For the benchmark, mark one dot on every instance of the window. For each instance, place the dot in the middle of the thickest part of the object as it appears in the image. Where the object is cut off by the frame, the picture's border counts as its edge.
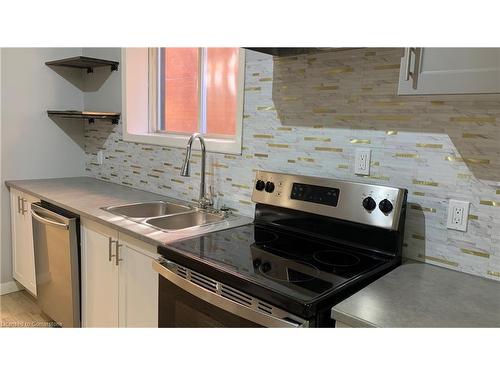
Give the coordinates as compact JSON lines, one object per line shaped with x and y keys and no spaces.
{"x":188,"y":90}
{"x":179,"y":102}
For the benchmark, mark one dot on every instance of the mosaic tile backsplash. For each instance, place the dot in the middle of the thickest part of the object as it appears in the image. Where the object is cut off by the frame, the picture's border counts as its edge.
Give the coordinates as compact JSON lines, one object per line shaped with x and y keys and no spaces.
{"x":307,"y":115}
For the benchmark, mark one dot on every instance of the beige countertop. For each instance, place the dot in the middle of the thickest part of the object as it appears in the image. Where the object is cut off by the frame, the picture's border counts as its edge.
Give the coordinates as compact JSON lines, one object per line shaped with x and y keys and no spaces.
{"x":423,"y":295}
{"x":87,"y":196}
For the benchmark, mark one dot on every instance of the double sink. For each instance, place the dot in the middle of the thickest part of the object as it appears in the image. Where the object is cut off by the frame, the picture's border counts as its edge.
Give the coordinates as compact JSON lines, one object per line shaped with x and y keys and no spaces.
{"x":167,"y":216}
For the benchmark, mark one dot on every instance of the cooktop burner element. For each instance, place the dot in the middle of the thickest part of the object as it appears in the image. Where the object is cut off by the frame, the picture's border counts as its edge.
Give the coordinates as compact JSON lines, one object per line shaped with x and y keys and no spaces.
{"x":312,"y":243}
{"x":265,"y":236}
{"x":292,"y":274}
{"x":336,"y":258}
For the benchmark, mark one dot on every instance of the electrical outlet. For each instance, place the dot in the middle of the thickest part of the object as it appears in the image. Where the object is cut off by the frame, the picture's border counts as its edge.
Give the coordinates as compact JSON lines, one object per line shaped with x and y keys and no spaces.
{"x":99,"y":157}
{"x":362,"y":161}
{"x":458,"y":214}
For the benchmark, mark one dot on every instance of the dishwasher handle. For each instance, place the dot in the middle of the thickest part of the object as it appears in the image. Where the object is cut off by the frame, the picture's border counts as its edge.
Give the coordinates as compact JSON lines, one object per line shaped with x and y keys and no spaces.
{"x":52,"y":219}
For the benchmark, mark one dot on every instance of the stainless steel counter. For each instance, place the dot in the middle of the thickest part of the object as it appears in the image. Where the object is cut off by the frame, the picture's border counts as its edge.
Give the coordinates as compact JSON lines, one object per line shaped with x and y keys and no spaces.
{"x":422,"y":295}
{"x":86,"y":196}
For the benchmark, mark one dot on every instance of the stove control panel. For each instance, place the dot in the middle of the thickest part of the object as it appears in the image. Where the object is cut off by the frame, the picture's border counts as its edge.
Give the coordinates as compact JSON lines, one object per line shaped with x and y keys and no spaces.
{"x":315,"y":194}
{"x":375,"y":205}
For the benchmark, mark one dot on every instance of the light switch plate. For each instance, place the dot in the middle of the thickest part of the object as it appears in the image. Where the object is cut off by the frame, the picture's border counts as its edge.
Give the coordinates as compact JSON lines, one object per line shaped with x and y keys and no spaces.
{"x":458,"y":215}
{"x":362,"y":159}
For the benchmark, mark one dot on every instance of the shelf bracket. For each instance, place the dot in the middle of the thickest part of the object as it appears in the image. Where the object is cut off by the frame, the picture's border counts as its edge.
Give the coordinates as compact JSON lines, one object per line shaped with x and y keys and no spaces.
{"x":91,"y":120}
{"x":90,"y":70}
{"x":114,"y":67}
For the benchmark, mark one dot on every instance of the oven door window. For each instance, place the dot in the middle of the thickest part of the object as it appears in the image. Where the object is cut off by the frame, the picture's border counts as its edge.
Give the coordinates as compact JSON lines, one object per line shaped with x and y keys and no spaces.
{"x":178,"y":308}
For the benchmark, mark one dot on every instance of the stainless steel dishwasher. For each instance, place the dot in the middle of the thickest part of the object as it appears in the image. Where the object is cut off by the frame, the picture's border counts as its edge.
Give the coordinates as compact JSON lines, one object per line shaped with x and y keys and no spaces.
{"x":57,"y":263}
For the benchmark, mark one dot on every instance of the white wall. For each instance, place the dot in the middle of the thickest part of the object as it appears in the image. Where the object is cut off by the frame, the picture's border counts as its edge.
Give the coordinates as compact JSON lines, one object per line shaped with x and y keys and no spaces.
{"x":32,"y":145}
{"x":106,"y":98}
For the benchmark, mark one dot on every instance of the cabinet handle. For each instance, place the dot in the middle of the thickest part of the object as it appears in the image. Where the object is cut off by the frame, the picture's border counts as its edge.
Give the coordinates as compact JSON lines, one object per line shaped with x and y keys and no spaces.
{"x":408,"y":63}
{"x":18,"y":204}
{"x":110,"y":249}
{"x":118,"y":259}
{"x":416,"y":66}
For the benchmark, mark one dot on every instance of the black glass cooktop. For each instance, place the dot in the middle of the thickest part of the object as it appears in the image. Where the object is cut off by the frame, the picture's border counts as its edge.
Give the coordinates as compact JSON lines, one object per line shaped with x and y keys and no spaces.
{"x":286,"y":263}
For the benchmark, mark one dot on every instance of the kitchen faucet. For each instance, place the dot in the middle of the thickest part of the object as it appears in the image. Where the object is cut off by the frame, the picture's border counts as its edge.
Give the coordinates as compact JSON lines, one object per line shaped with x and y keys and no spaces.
{"x":204,"y":200}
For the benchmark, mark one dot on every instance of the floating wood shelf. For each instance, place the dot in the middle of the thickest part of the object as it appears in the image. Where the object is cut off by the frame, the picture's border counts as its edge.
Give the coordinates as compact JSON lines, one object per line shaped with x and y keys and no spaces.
{"x":82,"y":62}
{"x":90,"y":116}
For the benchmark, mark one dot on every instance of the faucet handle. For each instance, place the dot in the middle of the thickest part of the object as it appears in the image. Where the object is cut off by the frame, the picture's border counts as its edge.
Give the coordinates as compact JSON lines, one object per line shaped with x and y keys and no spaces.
{"x":225,"y":210}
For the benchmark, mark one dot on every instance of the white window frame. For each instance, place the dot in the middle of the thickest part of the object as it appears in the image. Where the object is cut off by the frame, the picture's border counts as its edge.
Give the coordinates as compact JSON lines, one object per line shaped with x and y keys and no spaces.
{"x":140,"y":112}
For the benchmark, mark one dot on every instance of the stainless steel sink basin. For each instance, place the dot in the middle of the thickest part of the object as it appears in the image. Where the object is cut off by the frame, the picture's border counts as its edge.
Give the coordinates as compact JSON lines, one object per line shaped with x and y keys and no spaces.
{"x":186,"y":220}
{"x":144,"y":210}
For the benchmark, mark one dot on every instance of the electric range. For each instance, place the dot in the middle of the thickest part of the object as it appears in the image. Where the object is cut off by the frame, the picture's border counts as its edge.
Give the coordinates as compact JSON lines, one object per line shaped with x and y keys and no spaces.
{"x":313,"y":242}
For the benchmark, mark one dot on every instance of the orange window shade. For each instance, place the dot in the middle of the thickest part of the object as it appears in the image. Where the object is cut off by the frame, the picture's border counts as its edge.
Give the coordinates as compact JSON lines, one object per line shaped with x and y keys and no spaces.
{"x":221,"y":82}
{"x":181,"y":102}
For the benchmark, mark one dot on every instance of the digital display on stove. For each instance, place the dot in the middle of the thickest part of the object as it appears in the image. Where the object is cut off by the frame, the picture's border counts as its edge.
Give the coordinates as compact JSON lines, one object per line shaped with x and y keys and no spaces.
{"x":315,"y":194}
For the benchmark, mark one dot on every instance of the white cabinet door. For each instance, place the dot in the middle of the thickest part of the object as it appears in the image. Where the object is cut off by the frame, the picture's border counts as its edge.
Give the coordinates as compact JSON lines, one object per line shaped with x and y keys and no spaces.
{"x":138,"y":284}
{"x":117,"y":294}
{"x":99,"y":275}
{"x":18,"y":238}
{"x":23,"y":257}
{"x":449,"y":71}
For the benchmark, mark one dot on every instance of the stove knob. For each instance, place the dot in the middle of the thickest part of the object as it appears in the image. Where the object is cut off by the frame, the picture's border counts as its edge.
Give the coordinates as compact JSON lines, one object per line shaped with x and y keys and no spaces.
{"x":260,"y":185}
{"x":266,"y":267}
{"x":269,"y":187}
{"x":385,"y":206}
{"x":369,"y":204}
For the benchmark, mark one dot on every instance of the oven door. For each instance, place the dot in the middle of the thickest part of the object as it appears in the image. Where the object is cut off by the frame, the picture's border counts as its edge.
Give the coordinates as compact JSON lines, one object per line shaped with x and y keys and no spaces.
{"x":189,"y":299}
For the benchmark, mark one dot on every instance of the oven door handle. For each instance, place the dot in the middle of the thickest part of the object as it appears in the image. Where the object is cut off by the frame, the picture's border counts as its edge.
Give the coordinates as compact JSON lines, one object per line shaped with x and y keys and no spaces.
{"x":221,"y":302}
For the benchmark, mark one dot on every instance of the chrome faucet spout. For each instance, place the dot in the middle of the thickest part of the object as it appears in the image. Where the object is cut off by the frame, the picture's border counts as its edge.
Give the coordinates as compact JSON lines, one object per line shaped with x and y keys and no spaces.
{"x":203,"y":201}
{"x":185,"y":170}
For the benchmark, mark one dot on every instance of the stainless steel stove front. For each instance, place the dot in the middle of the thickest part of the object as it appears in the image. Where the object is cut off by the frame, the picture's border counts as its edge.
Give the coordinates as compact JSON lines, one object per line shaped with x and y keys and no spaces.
{"x":190,"y":299}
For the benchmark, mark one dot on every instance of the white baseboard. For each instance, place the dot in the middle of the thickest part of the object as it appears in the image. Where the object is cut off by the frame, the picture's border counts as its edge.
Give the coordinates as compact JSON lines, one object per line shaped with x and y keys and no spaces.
{"x":10,"y":287}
